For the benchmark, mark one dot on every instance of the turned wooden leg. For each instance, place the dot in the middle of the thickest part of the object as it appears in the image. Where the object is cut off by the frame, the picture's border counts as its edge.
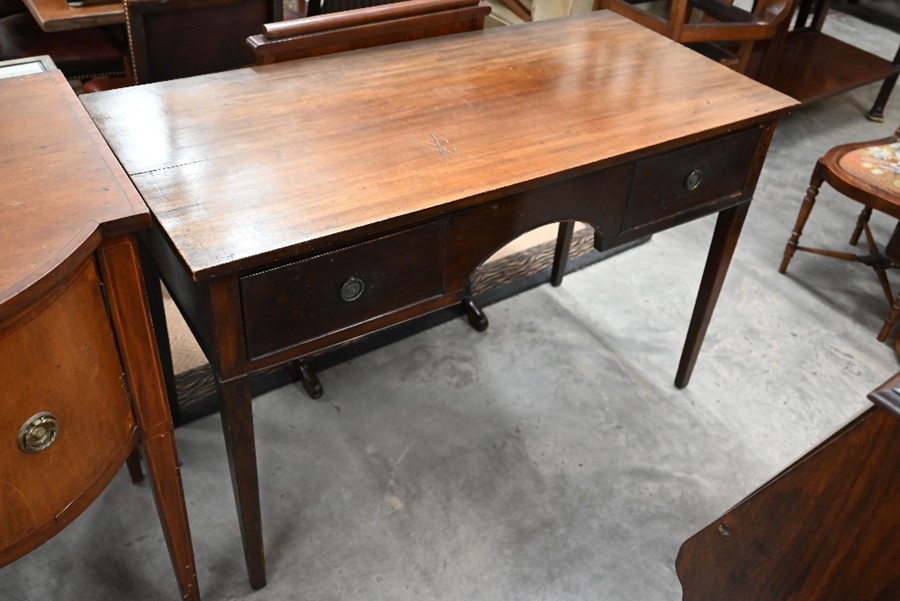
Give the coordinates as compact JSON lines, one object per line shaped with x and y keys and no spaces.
{"x":561,"y":254}
{"x":724,"y":241}
{"x":877,"y":111}
{"x":892,"y":316}
{"x":308,"y":378}
{"x":240,"y":446}
{"x":134,"y":466}
{"x":477,"y":318}
{"x":806,"y":208}
{"x":861,"y":222}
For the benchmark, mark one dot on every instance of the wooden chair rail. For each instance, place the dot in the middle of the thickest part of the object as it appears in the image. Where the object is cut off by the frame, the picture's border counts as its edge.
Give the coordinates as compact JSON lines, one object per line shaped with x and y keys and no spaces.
{"x":370,"y":15}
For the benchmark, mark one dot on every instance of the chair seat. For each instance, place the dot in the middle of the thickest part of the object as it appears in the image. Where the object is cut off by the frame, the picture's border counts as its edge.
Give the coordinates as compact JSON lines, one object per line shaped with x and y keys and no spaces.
{"x":878,"y":166}
{"x":78,"y":53}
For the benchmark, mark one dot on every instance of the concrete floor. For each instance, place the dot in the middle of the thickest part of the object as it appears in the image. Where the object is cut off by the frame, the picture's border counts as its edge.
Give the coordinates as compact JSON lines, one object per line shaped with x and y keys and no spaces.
{"x":549,"y":458}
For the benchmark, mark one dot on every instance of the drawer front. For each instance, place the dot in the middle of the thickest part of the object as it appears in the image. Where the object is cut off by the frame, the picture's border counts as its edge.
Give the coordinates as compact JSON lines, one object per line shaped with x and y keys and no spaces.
{"x":62,"y":362}
{"x":666,"y":185}
{"x":302,"y":301}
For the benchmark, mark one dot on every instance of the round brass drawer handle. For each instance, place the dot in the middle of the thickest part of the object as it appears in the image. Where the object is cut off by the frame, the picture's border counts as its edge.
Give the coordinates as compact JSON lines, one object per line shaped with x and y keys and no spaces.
{"x":38,"y":432}
{"x":692,"y":182}
{"x":352,"y":289}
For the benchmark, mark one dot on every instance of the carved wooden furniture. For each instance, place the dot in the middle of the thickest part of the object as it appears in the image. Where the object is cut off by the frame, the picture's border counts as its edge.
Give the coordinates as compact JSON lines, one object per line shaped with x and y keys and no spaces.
{"x":825,"y":528}
{"x":277,"y":242}
{"x":318,"y":7}
{"x":79,"y":54}
{"x":60,"y":15}
{"x":181,"y":38}
{"x":754,"y":35}
{"x":81,"y":379}
{"x":869,"y":173}
{"x":813,"y":65}
{"x":366,"y":28}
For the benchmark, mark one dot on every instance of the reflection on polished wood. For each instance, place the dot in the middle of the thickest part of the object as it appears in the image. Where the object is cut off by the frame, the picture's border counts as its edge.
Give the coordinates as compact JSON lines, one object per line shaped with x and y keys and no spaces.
{"x":304,"y":204}
{"x":76,"y":340}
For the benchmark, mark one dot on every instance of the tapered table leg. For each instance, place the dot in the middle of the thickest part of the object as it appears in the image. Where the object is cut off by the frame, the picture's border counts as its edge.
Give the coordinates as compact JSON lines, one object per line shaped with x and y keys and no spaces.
{"x":237,"y":424}
{"x":561,"y":252}
{"x":724,"y":241}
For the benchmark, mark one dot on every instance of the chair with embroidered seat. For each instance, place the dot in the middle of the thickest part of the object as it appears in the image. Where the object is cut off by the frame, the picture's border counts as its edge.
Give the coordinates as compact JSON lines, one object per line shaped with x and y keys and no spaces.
{"x":869,"y":173}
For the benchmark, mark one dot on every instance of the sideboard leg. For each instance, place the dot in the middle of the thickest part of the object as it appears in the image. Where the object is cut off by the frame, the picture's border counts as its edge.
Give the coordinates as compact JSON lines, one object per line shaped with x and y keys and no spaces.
{"x":477,"y":318}
{"x":134,"y":466}
{"x":724,"y":241}
{"x":240,"y":446}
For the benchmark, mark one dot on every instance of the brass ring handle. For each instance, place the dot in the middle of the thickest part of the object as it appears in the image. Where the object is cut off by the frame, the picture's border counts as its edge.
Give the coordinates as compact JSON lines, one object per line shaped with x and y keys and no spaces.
{"x":692,"y":182}
{"x":38,"y":432}
{"x":352,"y":289}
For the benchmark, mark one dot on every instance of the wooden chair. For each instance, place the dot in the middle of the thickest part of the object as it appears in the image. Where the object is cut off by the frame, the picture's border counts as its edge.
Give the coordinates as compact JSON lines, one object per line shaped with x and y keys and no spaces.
{"x":320,"y":7}
{"x":366,"y":28}
{"x":180,"y":38}
{"x":869,"y":173}
{"x":746,"y":41}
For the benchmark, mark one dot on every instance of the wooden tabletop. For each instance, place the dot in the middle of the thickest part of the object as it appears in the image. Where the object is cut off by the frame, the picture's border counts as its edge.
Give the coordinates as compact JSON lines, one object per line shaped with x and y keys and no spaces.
{"x":62,"y":188}
{"x":249,"y":166}
{"x":57,"y":15}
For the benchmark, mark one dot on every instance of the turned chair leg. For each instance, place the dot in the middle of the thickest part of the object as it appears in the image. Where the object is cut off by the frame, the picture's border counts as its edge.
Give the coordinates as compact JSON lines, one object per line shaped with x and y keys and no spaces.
{"x":308,"y":378}
{"x":892,"y":316}
{"x":561,"y":254}
{"x":134,"y":466}
{"x":477,"y":318}
{"x":805,"y":209}
{"x":861,"y":223}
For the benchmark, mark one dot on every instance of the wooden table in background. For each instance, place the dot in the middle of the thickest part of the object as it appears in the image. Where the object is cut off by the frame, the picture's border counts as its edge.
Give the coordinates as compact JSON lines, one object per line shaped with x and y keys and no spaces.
{"x":301,"y":205}
{"x":826,"y":528}
{"x":79,"y":370}
{"x":57,"y":15}
{"x":813,"y":65}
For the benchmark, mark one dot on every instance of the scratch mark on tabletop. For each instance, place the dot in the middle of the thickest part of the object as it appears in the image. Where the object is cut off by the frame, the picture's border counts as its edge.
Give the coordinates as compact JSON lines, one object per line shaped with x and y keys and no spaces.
{"x":442,"y":146}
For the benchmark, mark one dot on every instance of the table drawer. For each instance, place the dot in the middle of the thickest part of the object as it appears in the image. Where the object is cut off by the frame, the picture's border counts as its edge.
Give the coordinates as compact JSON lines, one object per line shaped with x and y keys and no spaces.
{"x":302,"y":301}
{"x":59,"y":370}
{"x":668,"y":184}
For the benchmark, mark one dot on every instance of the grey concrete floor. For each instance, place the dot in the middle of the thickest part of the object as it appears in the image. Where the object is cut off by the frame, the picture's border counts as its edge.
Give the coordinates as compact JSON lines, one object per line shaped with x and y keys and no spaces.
{"x":549,"y":458}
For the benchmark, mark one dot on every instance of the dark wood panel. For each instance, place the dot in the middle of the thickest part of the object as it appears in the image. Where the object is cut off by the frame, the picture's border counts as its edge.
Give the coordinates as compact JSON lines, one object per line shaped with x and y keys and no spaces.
{"x":668,"y":184}
{"x":294,"y":303}
{"x":814,"y":65}
{"x":475,"y":234}
{"x":827,"y":528}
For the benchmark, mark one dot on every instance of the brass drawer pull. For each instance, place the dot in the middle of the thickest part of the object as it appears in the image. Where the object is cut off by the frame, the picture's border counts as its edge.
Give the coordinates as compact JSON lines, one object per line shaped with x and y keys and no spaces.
{"x":692,"y":182}
{"x":352,"y":289}
{"x":38,"y":432}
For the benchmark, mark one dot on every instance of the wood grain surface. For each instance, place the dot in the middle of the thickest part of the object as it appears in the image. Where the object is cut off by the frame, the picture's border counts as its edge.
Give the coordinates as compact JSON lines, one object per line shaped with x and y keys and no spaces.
{"x":61,"y":187}
{"x":337,"y":146}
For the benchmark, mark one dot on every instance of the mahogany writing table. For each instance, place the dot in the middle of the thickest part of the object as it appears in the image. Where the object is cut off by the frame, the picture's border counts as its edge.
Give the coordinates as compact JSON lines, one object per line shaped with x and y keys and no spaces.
{"x":304,"y":204}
